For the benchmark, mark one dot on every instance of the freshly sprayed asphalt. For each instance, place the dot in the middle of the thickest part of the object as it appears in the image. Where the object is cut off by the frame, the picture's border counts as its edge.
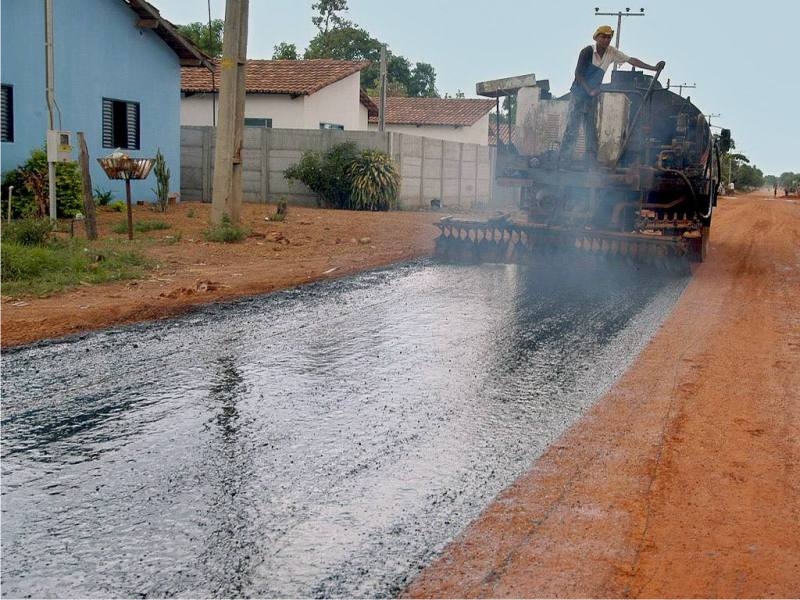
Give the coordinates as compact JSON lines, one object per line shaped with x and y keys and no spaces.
{"x":325,"y":441}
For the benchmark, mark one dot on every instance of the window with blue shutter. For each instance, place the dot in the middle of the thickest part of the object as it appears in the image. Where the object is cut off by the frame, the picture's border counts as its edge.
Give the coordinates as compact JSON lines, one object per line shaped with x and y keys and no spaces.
{"x":7,"y":114}
{"x":120,"y":124}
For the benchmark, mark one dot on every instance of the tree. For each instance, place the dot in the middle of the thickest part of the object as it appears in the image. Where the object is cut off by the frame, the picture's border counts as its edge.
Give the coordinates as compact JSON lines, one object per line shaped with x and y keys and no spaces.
{"x":284,"y":51}
{"x":328,"y":18}
{"x":422,"y":83}
{"x":341,"y":39}
{"x":789,"y":180}
{"x":208,"y":39}
{"x":749,"y":177}
{"x":348,"y":43}
{"x":345,"y":43}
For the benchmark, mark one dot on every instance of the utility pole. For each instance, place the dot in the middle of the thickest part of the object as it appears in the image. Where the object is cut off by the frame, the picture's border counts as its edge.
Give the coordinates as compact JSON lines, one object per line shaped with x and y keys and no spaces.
{"x":619,"y":15}
{"x":51,"y":99}
{"x":382,"y":100}
{"x":226,"y":196}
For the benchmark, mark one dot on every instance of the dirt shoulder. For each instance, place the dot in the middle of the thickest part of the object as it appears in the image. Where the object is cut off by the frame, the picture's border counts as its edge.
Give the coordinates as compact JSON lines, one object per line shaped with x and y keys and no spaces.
{"x":311,"y":244}
{"x":684,"y":480}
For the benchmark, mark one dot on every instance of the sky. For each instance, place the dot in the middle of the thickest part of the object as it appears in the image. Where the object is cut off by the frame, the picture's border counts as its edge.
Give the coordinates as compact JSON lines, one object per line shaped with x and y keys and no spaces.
{"x":741,"y":56}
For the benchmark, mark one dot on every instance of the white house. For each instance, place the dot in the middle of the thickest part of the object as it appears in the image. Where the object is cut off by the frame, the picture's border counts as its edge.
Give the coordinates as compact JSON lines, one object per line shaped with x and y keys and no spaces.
{"x":452,"y":119}
{"x":287,"y":94}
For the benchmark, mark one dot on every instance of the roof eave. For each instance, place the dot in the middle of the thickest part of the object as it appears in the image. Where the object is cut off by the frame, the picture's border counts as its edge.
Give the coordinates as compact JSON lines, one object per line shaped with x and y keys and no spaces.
{"x":149,"y":17}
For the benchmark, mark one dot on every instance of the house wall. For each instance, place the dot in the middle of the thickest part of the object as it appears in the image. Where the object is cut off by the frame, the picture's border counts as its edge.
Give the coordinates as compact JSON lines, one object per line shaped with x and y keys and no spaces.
{"x":478,"y":133}
{"x":285,"y":111}
{"x":363,"y":117}
{"x":337,"y":103}
{"x":99,"y":52}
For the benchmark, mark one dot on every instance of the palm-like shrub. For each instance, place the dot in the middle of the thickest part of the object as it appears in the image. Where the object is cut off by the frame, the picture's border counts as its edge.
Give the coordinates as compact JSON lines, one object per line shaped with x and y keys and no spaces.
{"x":375,"y":181}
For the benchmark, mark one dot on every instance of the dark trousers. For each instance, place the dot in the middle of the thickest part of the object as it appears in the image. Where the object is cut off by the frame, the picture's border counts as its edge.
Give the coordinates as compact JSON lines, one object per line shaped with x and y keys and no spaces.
{"x":582,"y":109}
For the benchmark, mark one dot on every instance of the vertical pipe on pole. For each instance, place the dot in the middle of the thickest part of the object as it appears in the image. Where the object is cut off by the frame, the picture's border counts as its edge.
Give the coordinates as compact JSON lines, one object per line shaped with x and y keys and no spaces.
{"x":382,"y":101}
{"x":50,"y":92}
{"x":130,"y":210}
{"x":497,"y":141}
{"x":213,"y":78}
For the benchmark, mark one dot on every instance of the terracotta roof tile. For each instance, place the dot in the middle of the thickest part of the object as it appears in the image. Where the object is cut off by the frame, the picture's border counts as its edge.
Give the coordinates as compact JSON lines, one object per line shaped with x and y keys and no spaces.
{"x":434,"y":111}
{"x":298,"y":77}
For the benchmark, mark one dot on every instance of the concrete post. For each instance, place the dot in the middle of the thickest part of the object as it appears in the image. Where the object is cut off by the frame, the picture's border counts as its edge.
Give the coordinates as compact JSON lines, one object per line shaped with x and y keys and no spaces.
{"x":227,"y":193}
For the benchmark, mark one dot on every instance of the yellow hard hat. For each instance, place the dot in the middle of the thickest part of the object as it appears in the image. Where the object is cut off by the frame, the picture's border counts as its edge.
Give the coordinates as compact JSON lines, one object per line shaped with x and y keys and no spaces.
{"x":604,"y":29}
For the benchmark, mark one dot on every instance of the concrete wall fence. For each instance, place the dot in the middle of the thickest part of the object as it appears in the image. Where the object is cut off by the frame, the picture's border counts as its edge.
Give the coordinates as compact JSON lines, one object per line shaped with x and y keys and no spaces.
{"x":458,"y":174}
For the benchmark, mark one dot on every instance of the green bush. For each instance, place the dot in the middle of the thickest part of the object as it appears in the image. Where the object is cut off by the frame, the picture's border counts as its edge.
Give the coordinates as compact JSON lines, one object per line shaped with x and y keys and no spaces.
{"x":117,"y":206}
{"x":327,"y":174}
{"x":140,"y":226}
{"x":31,"y":188}
{"x":103,"y":197}
{"x":376,"y":181}
{"x":343,"y":177}
{"x":28,"y":232}
{"x":226,"y":232}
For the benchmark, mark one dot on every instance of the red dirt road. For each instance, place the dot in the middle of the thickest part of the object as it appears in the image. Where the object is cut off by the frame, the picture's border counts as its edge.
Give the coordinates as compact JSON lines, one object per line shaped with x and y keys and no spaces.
{"x":684,"y":480}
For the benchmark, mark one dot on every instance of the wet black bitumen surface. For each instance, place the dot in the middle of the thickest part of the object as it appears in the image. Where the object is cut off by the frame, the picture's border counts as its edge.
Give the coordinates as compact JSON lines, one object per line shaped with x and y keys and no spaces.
{"x":324,"y":441}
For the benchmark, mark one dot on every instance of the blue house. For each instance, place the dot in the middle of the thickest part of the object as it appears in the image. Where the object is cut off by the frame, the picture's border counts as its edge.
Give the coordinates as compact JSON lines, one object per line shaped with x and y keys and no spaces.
{"x":117,"y":79}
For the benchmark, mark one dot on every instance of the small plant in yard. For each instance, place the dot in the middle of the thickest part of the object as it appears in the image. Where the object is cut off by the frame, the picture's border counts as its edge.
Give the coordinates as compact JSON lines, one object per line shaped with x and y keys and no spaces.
{"x":103,"y":197}
{"x":173,"y":239}
{"x":140,"y":226}
{"x":161,"y":190}
{"x":280,"y":211}
{"x":376,"y":181}
{"x":190,"y":213}
{"x":226,"y":232}
{"x":117,"y":206}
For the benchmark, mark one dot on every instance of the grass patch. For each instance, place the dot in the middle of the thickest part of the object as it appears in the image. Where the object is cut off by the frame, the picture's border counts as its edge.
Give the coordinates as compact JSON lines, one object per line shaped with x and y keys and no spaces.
{"x":140,"y":226}
{"x":226,"y":232}
{"x":62,"y":264}
{"x":27,"y":232}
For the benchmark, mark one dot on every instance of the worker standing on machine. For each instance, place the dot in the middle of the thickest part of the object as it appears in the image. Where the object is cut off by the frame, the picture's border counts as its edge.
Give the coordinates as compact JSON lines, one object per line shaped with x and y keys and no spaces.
{"x":592,"y":64}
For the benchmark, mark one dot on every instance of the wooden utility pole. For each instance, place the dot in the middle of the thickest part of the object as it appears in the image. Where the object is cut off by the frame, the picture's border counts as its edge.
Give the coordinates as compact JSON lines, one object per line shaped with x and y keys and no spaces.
{"x":226,"y":195}
{"x":88,"y":200}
